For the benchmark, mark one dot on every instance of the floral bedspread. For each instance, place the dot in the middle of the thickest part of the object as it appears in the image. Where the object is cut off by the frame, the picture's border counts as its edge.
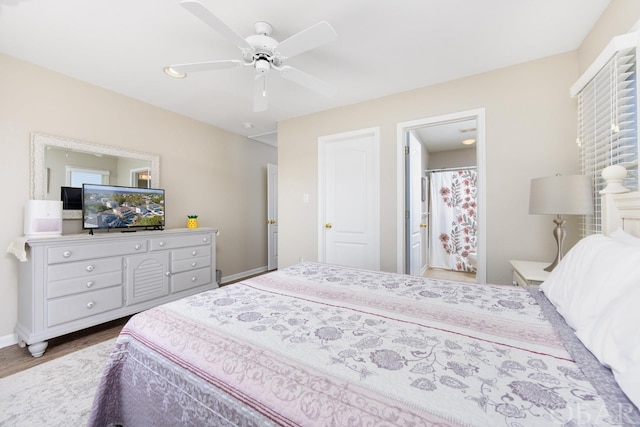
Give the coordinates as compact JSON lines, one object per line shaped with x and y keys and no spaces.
{"x":317,"y":344}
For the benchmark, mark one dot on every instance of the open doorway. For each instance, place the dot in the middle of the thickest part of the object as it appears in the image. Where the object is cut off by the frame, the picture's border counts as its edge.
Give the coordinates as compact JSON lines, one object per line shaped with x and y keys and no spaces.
{"x":444,"y":164}
{"x":141,"y":177}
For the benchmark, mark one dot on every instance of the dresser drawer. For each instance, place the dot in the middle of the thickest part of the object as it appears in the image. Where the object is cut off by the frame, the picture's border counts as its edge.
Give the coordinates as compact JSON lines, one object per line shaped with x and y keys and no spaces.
{"x":188,"y":253}
{"x":76,"y":285}
{"x":190,"y":264}
{"x":85,"y":269}
{"x":161,"y":243}
{"x":62,"y":310}
{"x":190,"y":279}
{"x":60,"y":254}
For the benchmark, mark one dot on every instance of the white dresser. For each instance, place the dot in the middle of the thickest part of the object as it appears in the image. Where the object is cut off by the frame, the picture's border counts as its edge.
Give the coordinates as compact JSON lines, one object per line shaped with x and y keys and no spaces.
{"x":73,"y":282}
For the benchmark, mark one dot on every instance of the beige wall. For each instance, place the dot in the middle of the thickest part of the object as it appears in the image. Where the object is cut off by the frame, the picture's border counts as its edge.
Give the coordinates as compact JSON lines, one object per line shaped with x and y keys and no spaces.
{"x":452,"y":158}
{"x":530,"y":132}
{"x":215,"y":174}
{"x":521,"y":103}
{"x":620,"y":17}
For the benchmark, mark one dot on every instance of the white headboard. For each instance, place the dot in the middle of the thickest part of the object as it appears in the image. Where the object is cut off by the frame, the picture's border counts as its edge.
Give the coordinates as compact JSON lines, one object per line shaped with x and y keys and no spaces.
{"x":620,"y":208}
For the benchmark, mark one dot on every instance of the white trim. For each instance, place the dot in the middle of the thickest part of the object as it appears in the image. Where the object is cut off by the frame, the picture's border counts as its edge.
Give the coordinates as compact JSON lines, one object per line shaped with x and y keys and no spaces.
{"x":243,"y":275}
{"x":322,"y":143}
{"x":481,"y":160}
{"x":617,"y":44}
{"x":133,"y":173}
{"x":8,"y":340}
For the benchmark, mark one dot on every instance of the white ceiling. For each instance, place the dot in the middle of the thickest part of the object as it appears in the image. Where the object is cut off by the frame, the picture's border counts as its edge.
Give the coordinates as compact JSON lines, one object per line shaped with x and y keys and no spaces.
{"x":447,"y":136}
{"x":383,"y":47}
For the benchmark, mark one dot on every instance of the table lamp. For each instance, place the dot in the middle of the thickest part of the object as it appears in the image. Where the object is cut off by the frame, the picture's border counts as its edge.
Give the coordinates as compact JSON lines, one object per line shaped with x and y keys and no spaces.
{"x":561,"y":195}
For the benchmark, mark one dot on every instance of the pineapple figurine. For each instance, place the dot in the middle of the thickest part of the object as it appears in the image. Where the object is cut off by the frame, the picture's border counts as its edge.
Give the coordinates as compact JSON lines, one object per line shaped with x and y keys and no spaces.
{"x":192,"y":221}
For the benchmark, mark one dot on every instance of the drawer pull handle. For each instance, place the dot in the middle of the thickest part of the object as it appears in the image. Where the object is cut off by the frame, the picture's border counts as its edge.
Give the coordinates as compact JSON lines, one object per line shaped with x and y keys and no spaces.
{"x":89,"y":284}
{"x":91,"y":304}
{"x":193,"y":264}
{"x":161,"y":243}
{"x":89,"y":267}
{"x":138,"y":247}
{"x":66,"y":254}
{"x":194,"y":253}
{"x":193,"y":279}
{"x":204,"y":239}
{"x":168,"y":273}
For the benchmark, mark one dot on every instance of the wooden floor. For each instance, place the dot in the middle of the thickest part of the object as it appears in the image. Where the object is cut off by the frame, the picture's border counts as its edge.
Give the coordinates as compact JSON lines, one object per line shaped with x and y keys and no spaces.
{"x":458,"y":276}
{"x":15,"y":359}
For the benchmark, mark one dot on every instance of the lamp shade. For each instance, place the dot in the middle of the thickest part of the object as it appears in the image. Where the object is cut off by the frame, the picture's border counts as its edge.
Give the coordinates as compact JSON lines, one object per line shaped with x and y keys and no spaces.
{"x":561,"y":195}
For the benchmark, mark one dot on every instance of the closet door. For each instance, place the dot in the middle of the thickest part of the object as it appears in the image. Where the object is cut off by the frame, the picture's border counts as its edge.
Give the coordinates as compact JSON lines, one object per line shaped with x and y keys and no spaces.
{"x":349,"y":207}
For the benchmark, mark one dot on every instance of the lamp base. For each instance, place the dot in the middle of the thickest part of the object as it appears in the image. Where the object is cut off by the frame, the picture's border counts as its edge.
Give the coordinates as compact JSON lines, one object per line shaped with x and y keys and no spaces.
{"x":559,"y":233}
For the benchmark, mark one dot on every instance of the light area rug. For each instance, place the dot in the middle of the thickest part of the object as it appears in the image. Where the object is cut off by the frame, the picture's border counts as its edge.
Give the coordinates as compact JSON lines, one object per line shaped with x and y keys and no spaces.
{"x":55,"y":393}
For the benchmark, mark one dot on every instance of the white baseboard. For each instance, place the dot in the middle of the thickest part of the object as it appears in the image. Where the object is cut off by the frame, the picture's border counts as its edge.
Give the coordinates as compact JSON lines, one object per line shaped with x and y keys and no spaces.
{"x":11,"y":339}
{"x":8,"y":340}
{"x":238,"y":276}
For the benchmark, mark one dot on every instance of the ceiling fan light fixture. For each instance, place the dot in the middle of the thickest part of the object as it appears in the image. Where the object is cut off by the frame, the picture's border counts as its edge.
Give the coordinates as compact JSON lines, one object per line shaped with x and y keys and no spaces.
{"x":263,"y":66}
{"x":173,"y":73}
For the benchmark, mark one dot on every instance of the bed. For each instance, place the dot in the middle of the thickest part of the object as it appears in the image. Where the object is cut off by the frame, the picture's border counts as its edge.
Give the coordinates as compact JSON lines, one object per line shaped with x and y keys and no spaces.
{"x":324,"y":345}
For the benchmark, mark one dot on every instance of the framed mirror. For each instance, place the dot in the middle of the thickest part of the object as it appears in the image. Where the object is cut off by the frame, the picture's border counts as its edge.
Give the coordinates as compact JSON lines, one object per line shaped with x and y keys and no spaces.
{"x":60,"y":162}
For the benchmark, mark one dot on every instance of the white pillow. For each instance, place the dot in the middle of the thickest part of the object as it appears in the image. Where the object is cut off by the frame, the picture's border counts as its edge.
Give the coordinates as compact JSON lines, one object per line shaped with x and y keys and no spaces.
{"x":629,"y":382}
{"x":596,"y":271}
{"x":625,"y":237}
{"x":614,"y":336}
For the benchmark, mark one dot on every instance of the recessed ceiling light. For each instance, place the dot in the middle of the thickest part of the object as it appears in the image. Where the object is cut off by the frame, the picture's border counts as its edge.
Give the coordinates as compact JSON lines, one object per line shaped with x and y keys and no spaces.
{"x":469,"y":141}
{"x":173,"y":73}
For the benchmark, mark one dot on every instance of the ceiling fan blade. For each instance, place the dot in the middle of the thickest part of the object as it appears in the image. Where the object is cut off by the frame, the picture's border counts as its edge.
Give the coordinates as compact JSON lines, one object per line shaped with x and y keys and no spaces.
{"x":308,"y":39}
{"x":205,"y":15}
{"x":307,"y":80}
{"x":260,"y":93}
{"x":206,"y":66}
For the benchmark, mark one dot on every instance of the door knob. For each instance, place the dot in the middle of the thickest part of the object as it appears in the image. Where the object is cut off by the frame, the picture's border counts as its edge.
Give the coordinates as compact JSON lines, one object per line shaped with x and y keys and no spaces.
{"x":328,"y":225}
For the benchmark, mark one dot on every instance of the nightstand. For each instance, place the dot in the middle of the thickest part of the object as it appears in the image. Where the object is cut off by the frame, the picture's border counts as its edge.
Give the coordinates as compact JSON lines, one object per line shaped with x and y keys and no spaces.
{"x":528,"y":273}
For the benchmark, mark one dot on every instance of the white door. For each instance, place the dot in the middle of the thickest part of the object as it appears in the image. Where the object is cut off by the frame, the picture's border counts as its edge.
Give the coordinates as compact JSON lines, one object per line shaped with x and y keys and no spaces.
{"x":425,"y":224}
{"x":416,"y":221}
{"x":272,"y":216}
{"x":349,"y":199}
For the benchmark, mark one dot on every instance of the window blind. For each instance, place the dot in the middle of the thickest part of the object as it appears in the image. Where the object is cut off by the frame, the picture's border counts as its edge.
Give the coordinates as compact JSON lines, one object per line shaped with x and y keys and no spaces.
{"x":608,"y":123}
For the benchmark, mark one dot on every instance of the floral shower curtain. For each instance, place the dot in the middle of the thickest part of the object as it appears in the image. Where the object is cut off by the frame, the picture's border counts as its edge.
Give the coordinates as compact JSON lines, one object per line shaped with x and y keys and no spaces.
{"x":452,"y":224}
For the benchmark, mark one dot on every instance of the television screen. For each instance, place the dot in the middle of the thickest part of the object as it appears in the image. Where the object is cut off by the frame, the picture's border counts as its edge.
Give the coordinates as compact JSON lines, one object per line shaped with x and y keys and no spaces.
{"x":71,"y":198}
{"x":110,"y":206}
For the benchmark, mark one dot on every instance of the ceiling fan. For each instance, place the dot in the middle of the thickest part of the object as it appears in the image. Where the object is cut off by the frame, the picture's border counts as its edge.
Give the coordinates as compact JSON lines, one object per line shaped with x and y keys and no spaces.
{"x":261,"y":52}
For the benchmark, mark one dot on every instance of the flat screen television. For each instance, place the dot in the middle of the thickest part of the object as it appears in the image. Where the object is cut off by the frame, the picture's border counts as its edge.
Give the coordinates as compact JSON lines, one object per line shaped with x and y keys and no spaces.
{"x":71,"y":198}
{"x":125,"y":208}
